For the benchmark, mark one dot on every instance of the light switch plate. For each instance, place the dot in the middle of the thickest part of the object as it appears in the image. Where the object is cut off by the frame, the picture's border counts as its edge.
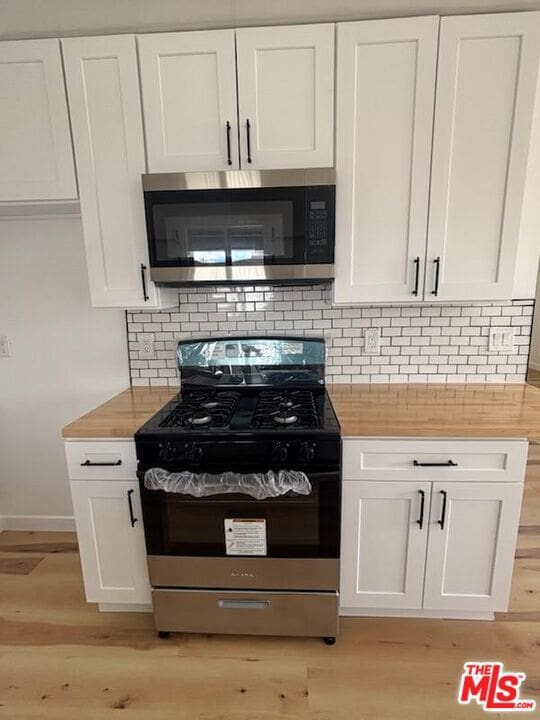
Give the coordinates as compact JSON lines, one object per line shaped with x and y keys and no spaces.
{"x":5,"y":346}
{"x":501,"y":340}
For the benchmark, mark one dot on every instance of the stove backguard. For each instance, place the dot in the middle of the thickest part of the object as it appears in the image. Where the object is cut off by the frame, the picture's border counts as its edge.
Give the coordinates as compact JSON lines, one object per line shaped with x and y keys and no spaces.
{"x":267,"y":361}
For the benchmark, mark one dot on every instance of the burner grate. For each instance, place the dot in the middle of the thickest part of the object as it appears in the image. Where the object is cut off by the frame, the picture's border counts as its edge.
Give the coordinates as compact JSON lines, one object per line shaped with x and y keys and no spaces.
{"x":278,"y":410}
{"x":200,"y":410}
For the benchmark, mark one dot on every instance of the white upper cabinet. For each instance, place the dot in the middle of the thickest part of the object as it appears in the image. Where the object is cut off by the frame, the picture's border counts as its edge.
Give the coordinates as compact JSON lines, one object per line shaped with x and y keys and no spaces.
{"x":385,"y":94}
{"x":487,"y":74}
{"x":189,"y":98}
{"x":36,"y":157}
{"x":104,"y":102}
{"x":444,"y":210}
{"x":286,"y":96}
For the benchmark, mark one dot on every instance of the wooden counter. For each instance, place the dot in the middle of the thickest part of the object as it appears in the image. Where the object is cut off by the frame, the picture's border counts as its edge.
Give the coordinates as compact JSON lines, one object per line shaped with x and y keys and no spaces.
{"x":121,"y":416}
{"x":452,"y":410}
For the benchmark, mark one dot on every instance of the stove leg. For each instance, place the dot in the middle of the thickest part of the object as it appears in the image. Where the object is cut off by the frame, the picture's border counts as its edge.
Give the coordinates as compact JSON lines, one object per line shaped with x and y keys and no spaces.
{"x":330,"y":640}
{"x":163,"y":634}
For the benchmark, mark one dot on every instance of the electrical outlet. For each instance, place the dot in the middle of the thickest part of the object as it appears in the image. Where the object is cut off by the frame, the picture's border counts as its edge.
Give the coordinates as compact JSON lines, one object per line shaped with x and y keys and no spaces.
{"x":5,"y":346}
{"x":501,"y":340}
{"x":372,"y":338}
{"x":146,"y":348}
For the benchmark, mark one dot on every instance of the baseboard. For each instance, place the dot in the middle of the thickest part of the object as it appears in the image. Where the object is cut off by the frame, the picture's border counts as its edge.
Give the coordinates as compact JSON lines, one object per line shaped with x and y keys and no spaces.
{"x":50,"y":523}
{"x":426,"y":614}
{"x":125,"y":607}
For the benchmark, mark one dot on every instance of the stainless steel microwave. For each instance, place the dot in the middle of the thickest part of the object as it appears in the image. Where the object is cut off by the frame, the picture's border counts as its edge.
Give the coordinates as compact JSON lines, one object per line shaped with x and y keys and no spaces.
{"x":240,"y":225}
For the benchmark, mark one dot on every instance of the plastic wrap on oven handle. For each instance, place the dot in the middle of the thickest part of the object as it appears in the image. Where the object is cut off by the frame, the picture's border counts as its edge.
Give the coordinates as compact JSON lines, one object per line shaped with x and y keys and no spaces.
{"x":258,"y":485}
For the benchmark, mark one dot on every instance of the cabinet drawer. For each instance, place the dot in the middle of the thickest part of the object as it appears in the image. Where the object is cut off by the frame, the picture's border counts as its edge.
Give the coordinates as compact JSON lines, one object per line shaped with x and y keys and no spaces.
{"x":101,"y":460}
{"x":461,"y":460}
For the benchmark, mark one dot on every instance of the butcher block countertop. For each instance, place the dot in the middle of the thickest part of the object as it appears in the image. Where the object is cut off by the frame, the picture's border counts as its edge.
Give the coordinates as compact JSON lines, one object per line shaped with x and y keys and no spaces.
{"x":372,"y":410}
{"x":122,"y":415}
{"x":452,"y":410}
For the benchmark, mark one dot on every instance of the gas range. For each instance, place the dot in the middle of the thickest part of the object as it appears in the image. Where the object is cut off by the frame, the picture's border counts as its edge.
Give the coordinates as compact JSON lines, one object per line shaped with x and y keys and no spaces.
{"x":240,"y":478}
{"x":246,"y":411}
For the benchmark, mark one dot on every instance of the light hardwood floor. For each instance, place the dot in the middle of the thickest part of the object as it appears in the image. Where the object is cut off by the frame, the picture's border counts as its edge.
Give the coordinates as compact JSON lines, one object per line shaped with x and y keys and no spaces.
{"x":60,"y":659}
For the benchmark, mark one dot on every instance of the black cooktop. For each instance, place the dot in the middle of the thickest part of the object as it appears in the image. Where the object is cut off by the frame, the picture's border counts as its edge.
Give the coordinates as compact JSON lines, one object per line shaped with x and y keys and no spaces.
{"x":274,"y":411}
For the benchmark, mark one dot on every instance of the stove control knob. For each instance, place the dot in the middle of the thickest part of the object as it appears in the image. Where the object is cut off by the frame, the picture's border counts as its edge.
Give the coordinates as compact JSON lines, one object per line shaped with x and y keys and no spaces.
{"x":194,"y":452}
{"x":308,"y":451}
{"x":167,"y":451}
{"x":280,"y":451}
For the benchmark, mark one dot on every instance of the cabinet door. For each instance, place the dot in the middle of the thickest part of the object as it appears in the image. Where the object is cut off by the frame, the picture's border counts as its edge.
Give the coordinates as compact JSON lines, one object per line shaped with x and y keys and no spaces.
{"x":486,"y":81}
{"x":385,"y":94}
{"x":189,"y":99}
{"x":36,"y":158}
{"x":471,"y":554}
{"x":103,"y":91}
{"x":383,"y":546}
{"x":286,"y":94}
{"x":113,"y":552}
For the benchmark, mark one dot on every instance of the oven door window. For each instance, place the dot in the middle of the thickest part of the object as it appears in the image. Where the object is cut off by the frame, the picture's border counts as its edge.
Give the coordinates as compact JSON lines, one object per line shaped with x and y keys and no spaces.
{"x":296,"y":526}
{"x":226,"y":227}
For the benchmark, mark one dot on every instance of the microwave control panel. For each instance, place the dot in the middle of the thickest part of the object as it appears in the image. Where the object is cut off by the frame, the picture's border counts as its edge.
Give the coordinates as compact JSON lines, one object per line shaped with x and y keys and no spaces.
{"x":320,"y":231}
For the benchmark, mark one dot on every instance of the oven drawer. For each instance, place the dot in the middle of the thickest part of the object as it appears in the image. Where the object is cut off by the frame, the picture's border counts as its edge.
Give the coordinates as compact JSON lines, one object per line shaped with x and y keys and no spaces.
{"x":101,"y":460}
{"x":246,"y":613}
{"x":489,"y":460}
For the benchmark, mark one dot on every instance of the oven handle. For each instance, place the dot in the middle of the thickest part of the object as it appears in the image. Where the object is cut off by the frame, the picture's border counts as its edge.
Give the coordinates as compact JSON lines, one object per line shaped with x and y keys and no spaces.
{"x":237,"y":604}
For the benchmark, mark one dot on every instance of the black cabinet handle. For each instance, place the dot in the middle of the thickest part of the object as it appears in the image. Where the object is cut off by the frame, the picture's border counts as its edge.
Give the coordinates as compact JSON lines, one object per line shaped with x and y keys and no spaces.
{"x":89,"y":463}
{"x":228,"y":126}
{"x":448,"y":463}
{"x":143,"y":278}
{"x":420,"y":521}
{"x":416,"y":275}
{"x":248,"y":137}
{"x":443,"y":510}
{"x":437,"y":262}
{"x":130,"y":503}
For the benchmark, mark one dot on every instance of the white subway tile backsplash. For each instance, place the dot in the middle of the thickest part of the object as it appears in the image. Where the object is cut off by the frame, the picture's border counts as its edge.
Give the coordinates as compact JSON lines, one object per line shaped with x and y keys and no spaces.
{"x":418,"y":344}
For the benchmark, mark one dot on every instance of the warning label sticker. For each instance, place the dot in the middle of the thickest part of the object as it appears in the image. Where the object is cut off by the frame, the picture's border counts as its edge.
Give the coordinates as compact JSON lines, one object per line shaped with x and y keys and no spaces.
{"x":245,"y":536}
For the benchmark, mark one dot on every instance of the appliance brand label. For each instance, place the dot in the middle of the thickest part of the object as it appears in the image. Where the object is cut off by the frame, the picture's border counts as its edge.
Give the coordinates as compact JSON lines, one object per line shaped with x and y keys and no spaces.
{"x":245,"y":536}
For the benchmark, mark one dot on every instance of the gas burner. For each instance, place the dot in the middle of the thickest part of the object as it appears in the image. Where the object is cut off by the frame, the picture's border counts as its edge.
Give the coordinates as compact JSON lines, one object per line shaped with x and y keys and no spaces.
{"x":200,"y":417}
{"x":285,"y":414}
{"x":285,"y":419}
{"x":198,"y":410}
{"x":295,"y":408}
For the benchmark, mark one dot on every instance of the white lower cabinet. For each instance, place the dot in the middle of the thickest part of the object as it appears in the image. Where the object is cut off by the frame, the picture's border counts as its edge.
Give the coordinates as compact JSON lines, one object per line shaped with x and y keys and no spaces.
{"x":383,"y":548}
{"x":111,"y":541}
{"x":438,"y":546}
{"x":108,"y":516}
{"x":472,"y":539}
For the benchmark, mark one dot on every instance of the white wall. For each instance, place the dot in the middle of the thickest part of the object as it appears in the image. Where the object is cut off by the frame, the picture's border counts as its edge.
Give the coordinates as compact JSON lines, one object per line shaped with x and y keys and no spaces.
{"x":36,"y":18}
{"x":67,"y":358}
{"x":534,"y":357}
